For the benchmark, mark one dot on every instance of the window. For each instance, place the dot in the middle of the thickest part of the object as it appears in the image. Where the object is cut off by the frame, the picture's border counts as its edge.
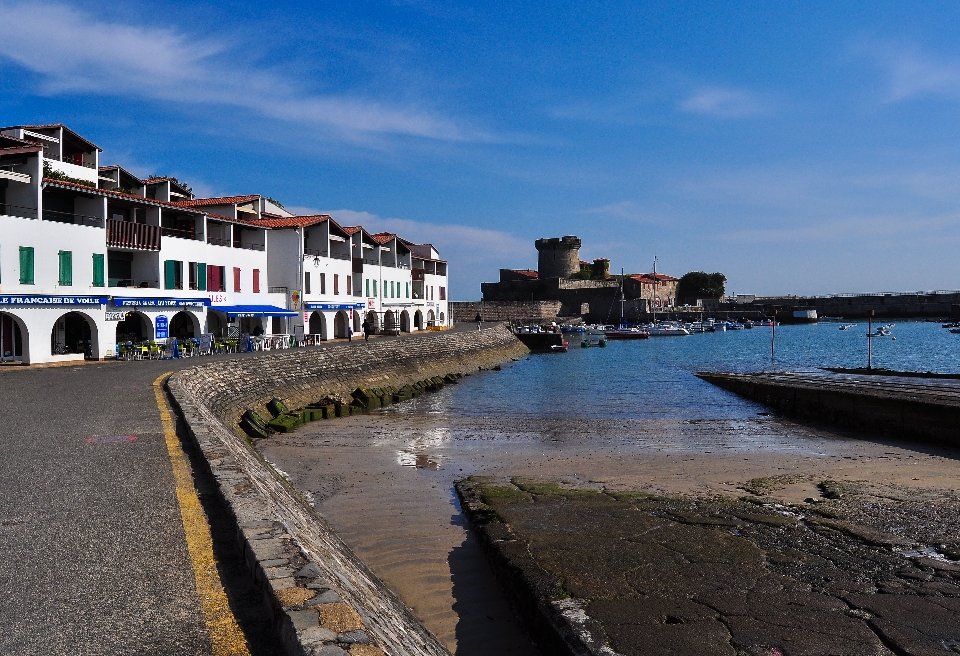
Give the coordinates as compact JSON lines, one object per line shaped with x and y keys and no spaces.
{"x":374,"y":287}
{"x":98,"y":270}
{"x":66,"y":268}
{"x":408,"y":290}
{"x":323,"y":283}
{"x":368,"y":281}
{"x":26,"y":265}
{"x":172,"y":274}
{"x":443,"y":293}
{"x":306,"y":282}
{"x":336,"y":284}
{"x":192,"y":275}
{"x":215,"y":278}
{"x":256,"y":281}
{"x":236,"y":279}
{"x":349,"y":285}
{"x":202,"y":276}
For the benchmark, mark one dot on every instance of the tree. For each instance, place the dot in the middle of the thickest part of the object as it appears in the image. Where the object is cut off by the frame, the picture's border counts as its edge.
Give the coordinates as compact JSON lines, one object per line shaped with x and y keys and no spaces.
{"x":697,"y":284}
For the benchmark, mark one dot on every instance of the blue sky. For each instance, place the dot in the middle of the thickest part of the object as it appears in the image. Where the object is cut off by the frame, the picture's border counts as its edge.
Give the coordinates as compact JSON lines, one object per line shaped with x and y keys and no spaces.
{"x":797,"y":147}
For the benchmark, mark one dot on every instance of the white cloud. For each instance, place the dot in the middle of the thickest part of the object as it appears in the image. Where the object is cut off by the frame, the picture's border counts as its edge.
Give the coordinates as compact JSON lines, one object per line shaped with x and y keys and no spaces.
{"x":911,"y":73}
{"x":74,"y":52}
{"x":724,"y":103}
{"x":630,"y":211}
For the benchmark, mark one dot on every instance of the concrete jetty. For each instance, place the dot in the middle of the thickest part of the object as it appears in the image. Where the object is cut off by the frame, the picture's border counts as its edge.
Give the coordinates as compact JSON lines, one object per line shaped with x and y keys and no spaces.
{"x":902,"y":406}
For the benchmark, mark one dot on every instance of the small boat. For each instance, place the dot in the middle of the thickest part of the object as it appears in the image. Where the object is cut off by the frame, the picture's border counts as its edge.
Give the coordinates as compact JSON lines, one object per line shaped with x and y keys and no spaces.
{"x":955,"y":331}
{"x":666,"y":330}
{"x":626,"y":333}
{"x":587,"y":343}
{"x":560,"y":348}
{"x":597,"y":331}
{"x":567,"y":328}
{"x":847,"y":326}
{"x":881,"y":331}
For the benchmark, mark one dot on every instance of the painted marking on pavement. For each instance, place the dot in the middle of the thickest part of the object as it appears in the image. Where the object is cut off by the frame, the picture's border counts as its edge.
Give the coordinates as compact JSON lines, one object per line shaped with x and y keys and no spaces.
{"x":110,"y":439}
{"x":226,"y":638}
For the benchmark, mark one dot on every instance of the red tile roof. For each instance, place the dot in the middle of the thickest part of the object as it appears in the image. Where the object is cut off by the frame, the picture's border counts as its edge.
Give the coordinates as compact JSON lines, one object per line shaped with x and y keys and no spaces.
{"x":275,"y":221}
{"x":350,"y":230}
{"x":16,"y":150}
{"x":528,"y":273}
{"x":117,"y":194}
{"x":649,"y":277}
{"x":55,"y":125}
{"x":382,"y":237}
{"x":223,"y":200}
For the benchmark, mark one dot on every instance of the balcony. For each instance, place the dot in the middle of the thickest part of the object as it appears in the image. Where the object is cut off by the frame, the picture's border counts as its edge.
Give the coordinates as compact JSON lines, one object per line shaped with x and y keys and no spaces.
{"x":217,"y":241}
{"x":75,"y":219}
{"x":314,"y":252}
{"x":417,"y":274}
{"x":17,"y":210}
{"x":182,"y":234}
{"x":133,"y":282}
{"x":340,"y":256}
{"x":254,"y":247}
{"x":136,"y":236}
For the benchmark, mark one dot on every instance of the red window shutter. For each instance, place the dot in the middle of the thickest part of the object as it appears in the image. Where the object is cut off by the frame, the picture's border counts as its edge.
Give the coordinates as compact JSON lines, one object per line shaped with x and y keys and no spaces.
{"x":349,"y":286}
{"x":236,"y":279}
{"x":336,"y":283}
{"x":213,"y":278}
{"x":256,"y":281}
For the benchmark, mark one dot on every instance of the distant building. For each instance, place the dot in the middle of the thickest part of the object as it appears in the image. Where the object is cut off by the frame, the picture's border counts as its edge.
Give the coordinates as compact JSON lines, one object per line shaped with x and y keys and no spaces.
{"x":583,"y":288}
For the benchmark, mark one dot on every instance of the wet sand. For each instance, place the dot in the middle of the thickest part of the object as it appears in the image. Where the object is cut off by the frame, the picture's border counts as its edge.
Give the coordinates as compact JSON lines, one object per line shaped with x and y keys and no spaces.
{"x":384,"y":482}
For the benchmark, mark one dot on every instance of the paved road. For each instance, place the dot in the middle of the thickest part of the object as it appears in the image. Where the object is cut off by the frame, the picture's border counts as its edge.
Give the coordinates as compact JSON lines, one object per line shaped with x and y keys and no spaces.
{"x":94,"y":555}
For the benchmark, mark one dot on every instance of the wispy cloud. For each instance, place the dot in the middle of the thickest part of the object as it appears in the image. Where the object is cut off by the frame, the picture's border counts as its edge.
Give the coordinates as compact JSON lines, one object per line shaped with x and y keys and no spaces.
{"x":910,"y":72}
{"x":724,"y":103}
{"x":74,"y":52}
{"x":630,"y":211}
{"x":871,"y":230}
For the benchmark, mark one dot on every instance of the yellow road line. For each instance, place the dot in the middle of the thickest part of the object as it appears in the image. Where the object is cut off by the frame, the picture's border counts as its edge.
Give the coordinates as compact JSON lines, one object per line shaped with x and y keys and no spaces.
{"x":226,"y":637}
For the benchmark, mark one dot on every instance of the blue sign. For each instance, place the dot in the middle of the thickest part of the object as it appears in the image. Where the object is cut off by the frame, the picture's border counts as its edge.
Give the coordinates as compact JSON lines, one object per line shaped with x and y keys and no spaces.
{"x":158,"y":302}
{"x":333,"y":306}
{"x":53,"y":300}
{"x":163,"y":328}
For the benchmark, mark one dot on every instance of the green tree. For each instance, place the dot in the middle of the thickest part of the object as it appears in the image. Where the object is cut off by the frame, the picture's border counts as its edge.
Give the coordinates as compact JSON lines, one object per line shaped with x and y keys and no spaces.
{"x":697,"y":284}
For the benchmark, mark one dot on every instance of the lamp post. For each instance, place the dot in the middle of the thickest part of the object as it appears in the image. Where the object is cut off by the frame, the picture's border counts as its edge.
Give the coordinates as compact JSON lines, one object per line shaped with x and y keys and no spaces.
{"x":869,"y":340}
{"x":773,"y":336}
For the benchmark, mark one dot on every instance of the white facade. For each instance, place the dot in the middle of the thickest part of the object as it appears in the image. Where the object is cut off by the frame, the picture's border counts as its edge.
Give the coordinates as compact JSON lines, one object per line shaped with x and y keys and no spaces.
{"x":84,"y":267}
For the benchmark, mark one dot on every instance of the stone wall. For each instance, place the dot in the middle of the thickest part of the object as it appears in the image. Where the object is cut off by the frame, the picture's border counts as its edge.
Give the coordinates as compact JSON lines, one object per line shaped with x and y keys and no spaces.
{"x":901,"y":305}
{"x":323,"y":597}
{"x":516,"y":311}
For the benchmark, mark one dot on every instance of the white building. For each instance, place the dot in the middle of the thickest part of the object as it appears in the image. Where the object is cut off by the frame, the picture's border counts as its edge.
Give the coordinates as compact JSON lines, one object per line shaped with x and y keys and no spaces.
{"x":92,"y":257}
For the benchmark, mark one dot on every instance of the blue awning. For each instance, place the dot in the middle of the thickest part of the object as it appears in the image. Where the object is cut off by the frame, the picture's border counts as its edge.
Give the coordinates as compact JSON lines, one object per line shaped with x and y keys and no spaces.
{"x":253,"y":311}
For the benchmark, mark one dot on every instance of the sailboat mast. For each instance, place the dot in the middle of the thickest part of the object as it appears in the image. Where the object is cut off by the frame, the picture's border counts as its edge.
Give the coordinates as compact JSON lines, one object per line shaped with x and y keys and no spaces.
{"x":656,"y":289}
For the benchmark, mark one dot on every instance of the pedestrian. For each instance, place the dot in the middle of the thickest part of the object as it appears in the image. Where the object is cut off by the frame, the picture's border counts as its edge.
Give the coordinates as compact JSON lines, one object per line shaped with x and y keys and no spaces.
{"x":479,"y":321}
{"x":349,"y":333}
{"x":366,"y":330}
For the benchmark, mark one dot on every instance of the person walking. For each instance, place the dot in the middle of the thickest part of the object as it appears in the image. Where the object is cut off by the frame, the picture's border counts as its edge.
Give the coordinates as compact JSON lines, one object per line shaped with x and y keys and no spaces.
{"x":366,"y":330}
{"x":479,"y":320}
{"x":349,"y":333}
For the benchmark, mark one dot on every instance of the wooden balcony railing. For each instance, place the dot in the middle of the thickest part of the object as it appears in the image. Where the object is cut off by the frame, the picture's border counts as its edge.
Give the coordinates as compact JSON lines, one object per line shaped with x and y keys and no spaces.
{"x":136,"y":236}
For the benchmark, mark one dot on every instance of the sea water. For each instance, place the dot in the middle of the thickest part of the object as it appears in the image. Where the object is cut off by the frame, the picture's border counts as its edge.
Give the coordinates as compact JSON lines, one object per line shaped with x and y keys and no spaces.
{"x":654,"y":378}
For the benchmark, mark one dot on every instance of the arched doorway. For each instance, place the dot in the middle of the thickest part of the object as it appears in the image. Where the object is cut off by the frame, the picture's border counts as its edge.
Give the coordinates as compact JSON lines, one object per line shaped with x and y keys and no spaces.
{"x":418,"y":320}
{"x":216,"y":324}
{"x":374,"y":321}
{"x":14,"y":342}
{"x":341,"y":323}
{"x":251,"y":325}
{"x":390,"y":322}
{"x":184,"y":326}
{"x":405,"y":321}
{"x":442,"y":322}
{"x":318,"y":324}
{"x":136,"y":327}
{"x":431,"y":318}
{"x":74,"y":333}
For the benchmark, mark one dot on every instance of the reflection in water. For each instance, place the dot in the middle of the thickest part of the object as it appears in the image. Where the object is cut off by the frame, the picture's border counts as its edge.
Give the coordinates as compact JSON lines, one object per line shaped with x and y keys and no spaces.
{"x":414,"y":453}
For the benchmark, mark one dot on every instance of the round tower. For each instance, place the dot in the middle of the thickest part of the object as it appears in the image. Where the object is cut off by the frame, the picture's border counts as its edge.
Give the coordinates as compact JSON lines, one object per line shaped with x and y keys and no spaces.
{"x":559,"y":257}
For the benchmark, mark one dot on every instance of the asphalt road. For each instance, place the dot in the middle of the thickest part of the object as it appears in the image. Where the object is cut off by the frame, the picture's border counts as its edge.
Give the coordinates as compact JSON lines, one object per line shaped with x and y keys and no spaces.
{"x":94,"y":556}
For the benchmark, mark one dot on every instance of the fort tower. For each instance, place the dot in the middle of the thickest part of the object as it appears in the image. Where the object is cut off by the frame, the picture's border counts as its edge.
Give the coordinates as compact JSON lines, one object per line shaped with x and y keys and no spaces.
{"x":559,"y":257}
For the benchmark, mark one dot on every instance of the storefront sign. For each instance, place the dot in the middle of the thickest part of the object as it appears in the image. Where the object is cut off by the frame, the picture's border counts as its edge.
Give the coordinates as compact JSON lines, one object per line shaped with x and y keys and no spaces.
{"x":372,"y":303}
{"x":53,"y":300}
{"x":163,"y":327}
{"x":218,"y":298}
{"x":159,"y":302}
{"x":114,"y":315}
{"x":334,"y":306}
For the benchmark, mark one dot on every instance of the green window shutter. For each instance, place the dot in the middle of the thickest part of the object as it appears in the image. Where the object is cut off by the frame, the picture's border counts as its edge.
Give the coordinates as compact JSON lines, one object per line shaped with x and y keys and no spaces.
{"x":408,"y":290}
{"x":368,"y":286}
{"x":26,"y":265}
{"x":169,"y":274}
{"x":66,"y":268}
{"x":98,"y":269}
{"x":202,"y":276}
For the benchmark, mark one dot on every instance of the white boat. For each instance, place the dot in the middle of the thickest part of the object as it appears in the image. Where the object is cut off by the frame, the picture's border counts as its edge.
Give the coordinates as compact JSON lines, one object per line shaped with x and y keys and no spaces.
{"x":666,"y":330}
{"x":626,"y":333}
{"x":847,"y":326}
{"x":597,"y":331}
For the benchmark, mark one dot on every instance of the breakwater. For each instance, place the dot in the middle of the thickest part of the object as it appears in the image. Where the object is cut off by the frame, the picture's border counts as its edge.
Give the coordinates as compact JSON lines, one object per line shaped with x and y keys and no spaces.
{"x":849,"y":306}
{"x":910,"y":407}
{"x":320,"y":592}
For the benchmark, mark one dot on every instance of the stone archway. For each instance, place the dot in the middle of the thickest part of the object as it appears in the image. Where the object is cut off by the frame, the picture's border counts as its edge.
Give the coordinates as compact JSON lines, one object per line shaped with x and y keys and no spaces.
{"x":389,"y":321}
{"x":184,"y":325}
{"x":418,"y":320}
{"x":405,"y":321}
{"x":216,"y":323}
{"x":75,"y":333}
{"x":318,"y":324}
{"x":14,"y":339}
{"x":341,"y":324}
{"x":357,"y":321}
{"x":374,"y":321}
{"x":442,"y":321}
{"x":135,"y":327}
{"x":431,"y":318}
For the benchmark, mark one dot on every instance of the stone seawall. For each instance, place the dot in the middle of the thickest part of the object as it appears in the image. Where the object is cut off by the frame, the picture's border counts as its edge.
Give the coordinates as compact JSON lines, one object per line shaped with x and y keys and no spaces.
{"x":325,"y":600}
{"x":517,"y":311}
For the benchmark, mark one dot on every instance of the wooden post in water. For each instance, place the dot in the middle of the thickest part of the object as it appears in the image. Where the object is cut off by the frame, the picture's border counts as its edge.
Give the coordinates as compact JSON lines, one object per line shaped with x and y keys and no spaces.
{"x":869,"y":339}
{"x":773,"y":336}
